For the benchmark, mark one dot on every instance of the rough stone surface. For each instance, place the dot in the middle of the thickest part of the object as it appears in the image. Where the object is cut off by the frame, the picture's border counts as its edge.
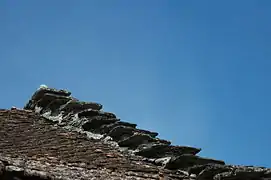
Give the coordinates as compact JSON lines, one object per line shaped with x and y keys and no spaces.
{"x":56,"y":136}
{"x":161,"y":150}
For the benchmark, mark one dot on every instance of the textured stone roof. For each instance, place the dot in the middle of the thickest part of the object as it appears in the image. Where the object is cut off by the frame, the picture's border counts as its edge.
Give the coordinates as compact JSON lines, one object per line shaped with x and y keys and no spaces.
{"x":57,"y":136}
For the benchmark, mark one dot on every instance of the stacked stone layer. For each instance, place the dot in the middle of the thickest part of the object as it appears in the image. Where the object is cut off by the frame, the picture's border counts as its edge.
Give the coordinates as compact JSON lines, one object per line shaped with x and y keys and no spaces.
{"x":88,"y":118}
{"x":66,"y":111}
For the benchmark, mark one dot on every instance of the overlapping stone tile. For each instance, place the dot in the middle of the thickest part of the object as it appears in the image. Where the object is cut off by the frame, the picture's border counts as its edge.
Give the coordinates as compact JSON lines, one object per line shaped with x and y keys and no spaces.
{"x":164,"y":150}
{"x":89,"y":117}
{"x":187,"y":160}
{"x":105,"y":129}
{"x":96,"y":122}
{"x":118,"y":132}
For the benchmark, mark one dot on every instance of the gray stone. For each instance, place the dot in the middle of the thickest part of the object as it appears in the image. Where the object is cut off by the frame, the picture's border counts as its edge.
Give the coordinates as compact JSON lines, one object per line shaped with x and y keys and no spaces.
{"x":79,"y":106}
{"x":107,"y":128}
{"x":96,"y":122}
{"x":88,"y":113}
{"x":160,"y":150}
{"x":135,"y":140}
{"x":188,"y":160}
{"x":119,"y":131}
{"x":39,"y":93}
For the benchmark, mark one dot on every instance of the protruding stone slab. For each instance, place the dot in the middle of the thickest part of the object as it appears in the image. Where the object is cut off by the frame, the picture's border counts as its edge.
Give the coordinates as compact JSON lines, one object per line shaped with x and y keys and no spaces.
{"x":56,"y":104}
{"x":150,"y":133}
{"x":187,"y":160}
{"x":163,"y":150}
{"x":118,"y":132}
{"x":121,"y":132}
{"x":96,"y":122}
{"x":243,"y":173}
{"x":61,"y":109}
{"x":40,"y":92}
{"x":105,"y":129}
{"x":77,"y":106}
{"x":208,"y":171}
{"x":135,"y":140}
{"x":89,"y":113}
{"x":49,"y":97}
{"x":140,"y":138}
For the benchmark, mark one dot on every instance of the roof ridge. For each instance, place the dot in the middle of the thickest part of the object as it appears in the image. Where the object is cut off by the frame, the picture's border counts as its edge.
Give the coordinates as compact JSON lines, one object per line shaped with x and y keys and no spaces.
{"x":88,"y":117}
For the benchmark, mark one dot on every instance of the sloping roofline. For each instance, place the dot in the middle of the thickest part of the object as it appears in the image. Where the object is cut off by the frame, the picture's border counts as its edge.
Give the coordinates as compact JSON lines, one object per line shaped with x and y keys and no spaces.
{"x":53,"y":119}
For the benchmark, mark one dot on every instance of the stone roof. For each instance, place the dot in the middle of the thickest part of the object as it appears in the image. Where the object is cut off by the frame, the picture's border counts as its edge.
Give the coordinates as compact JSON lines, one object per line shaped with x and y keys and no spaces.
{"x":56,"y":136}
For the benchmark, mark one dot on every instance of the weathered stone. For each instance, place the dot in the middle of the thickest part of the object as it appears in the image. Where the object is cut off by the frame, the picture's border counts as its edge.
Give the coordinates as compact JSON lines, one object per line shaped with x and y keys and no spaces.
{"x":2,"y":168}
{"x":77,"y":106}
{"x":121,"y":132}
{"x":96,"y":122}
{"x":89,"y":145}
{"x":56,"y":104}
{"x":225,"y":176}
{"x":184,"y":173}
{"x":108,"y":114}
{"x":211,"y":170}
{"x":107,"y":128}
{"x":196,"y":169}
{"x":267,"y":174}
{"x":187,"y":160}
{"x":135,"y":140}
{"x":89,"y":113}
{"x":160,"y":150}
{"x":150,"y":133}
{"x":242,"y":173}
{"x":14,"y":168}
{"x":161,"y":141}
{"x":162,"y":161}
{"x":40,"y":93}
{"x":249,"y":172}
{"x":48,"y":98}
{"x":37,"y":175}
{"x":30,"y":105}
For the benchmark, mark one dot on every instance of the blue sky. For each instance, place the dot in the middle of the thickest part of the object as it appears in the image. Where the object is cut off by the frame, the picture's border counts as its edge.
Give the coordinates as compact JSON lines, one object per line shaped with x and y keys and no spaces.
{"x":197,"y":72}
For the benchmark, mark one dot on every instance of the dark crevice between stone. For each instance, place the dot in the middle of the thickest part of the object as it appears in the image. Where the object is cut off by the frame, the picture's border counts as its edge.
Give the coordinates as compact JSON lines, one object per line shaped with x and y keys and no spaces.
{"x":30,"y":105}
{"x":54,"y":105}
{"x":2,"y":168}
{"x":7,"y":175}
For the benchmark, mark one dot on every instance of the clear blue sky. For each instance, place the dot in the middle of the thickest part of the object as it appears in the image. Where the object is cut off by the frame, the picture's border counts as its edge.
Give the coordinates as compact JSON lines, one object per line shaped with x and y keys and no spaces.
{"x":197,"y":72}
